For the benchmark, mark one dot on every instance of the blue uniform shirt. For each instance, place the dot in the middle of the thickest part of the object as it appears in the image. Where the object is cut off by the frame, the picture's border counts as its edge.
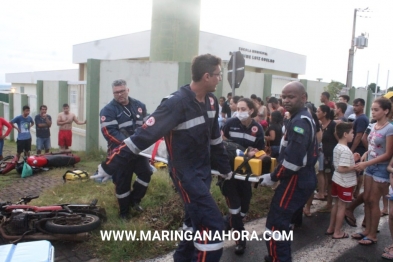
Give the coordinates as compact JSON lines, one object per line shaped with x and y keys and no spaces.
{"x":298,"y":153}
{"x":252,"y":135}
{"x":191,"y":133}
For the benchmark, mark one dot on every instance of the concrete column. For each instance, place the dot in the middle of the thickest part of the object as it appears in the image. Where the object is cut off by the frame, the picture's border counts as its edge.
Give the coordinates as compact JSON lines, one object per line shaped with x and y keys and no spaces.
{"x":184,"y":75}
{"x":40,"y":94}
{"x":63,"y":95}
{"x":175,"y":30}
{"x":267,"y":85}
{"x":92,"y":104}
{"x":1,"y":109}
{"x":11,"y":113}
{"x":352,"y":95}
{"x":304,"y":82}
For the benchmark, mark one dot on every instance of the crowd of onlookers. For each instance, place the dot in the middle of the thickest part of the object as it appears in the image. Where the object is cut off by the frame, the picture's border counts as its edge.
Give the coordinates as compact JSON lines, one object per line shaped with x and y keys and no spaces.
{"x":43,"y":123}
{"x":355,"y":152}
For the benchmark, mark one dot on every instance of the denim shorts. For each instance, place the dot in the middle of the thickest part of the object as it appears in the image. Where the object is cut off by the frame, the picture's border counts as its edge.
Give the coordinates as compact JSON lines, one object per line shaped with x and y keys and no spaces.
{"x":378,"y":172}
{"x":43,"y":143}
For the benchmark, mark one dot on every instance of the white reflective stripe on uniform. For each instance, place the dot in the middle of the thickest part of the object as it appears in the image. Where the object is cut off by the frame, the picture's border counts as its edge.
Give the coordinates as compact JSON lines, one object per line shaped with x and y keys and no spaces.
{"x":211,"y":114}
{"x":143,"y":183}
{"x":234,"y":211}
{"x":186,"y":228}
{"x":284,"y":143}
{"x":216,"y":141}
{"x":113,"y":122}
{"x":190,"y":123}
{"x":123,"y":195}
{"x":311,"y":121}
{"x":242,"y":135}
{"x":243,"y":214}
{"x":209,"y":247}
{"x":290,"y":166}
{"x":139,"y":122}
{"x":134,"y":149}
{"x":125,"y":124}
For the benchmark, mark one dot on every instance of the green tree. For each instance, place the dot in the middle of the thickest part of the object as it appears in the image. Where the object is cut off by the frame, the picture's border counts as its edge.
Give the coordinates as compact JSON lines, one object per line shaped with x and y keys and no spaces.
{"x":334,"y":88}
{"x":390,"y":88}
{"x":372,"y":87}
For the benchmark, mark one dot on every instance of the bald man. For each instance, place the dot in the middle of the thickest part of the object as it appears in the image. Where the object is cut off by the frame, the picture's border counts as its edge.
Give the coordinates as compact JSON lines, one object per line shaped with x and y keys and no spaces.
{"x":295,"y":171}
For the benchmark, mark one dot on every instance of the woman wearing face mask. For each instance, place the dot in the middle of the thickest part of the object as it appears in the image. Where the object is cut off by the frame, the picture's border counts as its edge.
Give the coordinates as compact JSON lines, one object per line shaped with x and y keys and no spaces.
{"x":245,"y":131}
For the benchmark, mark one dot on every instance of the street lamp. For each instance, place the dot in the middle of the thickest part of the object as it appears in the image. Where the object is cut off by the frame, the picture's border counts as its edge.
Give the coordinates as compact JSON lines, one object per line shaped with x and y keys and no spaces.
{"x":13,"y":89}
{"x":360,"y":42}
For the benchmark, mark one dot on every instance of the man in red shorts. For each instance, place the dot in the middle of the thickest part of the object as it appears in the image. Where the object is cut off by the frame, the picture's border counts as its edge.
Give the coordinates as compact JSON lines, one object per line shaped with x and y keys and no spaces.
{"x":64,"y":121}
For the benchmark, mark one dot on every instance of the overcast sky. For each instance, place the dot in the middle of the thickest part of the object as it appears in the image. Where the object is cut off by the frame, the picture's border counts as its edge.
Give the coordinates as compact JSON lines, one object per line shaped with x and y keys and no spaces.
{"x":38,"y":35}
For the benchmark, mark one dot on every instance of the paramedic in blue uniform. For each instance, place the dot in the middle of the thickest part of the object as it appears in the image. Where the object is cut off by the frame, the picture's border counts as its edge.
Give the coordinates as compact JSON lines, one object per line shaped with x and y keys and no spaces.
{"x":188,"y":120}
{"x":245,"y":131}
{"x":119,"y":119}
{"x":295,"y":171}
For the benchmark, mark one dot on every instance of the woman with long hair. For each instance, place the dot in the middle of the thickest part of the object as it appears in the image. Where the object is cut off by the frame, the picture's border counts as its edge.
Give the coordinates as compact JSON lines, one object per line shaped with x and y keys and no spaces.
{"x":329,"y":141}
{"x":273,"y":133}
{"x":376,"y":179}
{"x":244,"y":131}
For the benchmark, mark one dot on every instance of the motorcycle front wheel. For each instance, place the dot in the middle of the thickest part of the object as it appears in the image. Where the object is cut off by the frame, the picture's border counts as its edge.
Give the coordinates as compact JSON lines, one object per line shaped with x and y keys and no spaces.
{"x":73,"y":224}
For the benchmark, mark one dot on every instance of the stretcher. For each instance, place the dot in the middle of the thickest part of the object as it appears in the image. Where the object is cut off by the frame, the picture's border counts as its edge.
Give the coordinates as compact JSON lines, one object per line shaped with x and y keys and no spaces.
{"x":157,"y":152}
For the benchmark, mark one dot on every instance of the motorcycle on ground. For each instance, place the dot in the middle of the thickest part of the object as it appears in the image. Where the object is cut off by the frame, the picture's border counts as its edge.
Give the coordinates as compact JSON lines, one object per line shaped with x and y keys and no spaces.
{"x":70,"y":222}
{"x":38,"y":162}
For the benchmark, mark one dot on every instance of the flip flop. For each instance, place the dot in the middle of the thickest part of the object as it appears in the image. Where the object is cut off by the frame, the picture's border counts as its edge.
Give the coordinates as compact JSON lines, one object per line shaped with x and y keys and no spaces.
{"x":387,"y":256}
{"x":307,"y":214}
{"x":384,"y":214}
{"x":371,"y":242}
{"x":324,"y":210}
{"x":320,"y":199}
{"x":329,"y":233}
{"x":350,"y":221}
{"x":358,"y":237}
{"x":388,"y":248}
{"x":345,"y":235}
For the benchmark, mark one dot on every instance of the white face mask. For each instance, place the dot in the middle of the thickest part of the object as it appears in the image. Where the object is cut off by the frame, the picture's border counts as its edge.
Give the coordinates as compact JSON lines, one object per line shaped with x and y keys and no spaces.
{"x":243,"y":115}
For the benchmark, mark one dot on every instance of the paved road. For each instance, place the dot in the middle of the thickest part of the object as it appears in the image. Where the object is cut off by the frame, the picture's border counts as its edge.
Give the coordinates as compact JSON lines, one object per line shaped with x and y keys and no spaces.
{"x":310,"y":243}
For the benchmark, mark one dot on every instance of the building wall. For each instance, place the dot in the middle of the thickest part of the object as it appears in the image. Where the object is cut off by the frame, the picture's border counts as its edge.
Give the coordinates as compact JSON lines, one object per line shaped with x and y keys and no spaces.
{"x":130,"y":46}
{"x":32,"y":77}
{"x":314,"y":91}
{"x":252,"y":83}
{"x":148,"y":82}
{"x":278,"y":82}
{"x":25,"y":88}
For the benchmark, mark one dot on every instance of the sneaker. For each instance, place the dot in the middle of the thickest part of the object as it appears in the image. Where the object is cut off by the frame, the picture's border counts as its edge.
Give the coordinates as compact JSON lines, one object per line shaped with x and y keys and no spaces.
{"x":240,"y":249}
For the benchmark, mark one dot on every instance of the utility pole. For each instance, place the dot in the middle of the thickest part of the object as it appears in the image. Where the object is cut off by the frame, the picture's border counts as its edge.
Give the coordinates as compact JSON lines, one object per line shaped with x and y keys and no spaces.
{"x":354,"y":43}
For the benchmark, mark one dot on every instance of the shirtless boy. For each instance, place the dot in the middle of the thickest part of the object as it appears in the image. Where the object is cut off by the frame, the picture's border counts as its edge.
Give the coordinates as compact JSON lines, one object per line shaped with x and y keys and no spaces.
{"x":64,"y":121}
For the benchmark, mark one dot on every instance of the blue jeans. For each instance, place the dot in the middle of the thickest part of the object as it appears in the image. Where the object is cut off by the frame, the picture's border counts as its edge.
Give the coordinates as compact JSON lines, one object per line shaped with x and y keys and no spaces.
{"x":1,"y":146}
{"x":43,"y":143}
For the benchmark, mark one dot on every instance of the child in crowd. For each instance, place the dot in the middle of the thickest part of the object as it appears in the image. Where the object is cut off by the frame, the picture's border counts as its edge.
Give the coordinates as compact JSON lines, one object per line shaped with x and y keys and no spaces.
{"x":343,"y":181}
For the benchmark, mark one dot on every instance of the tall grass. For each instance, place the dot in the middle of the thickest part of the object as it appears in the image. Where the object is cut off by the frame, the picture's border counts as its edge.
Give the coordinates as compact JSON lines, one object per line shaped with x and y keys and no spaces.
{"x":163,"y":211}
